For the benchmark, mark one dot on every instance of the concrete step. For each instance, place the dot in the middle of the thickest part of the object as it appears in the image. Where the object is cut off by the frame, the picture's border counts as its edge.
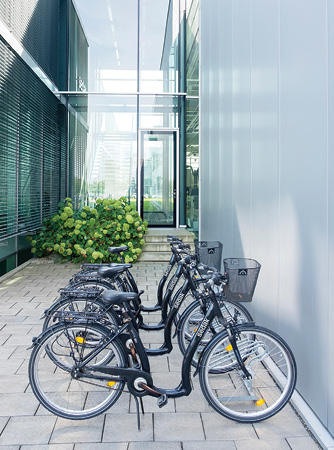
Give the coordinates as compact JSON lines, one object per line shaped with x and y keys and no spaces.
{"x":154,"y":256}
{"x":160,"y":235}
{"x":157,"y":248}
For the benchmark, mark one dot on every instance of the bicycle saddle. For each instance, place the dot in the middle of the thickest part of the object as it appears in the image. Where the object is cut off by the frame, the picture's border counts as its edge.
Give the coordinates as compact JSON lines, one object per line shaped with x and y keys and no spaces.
{"x":117,"y":298}
{"x":124,"y":248}
{"x":109,"y":272}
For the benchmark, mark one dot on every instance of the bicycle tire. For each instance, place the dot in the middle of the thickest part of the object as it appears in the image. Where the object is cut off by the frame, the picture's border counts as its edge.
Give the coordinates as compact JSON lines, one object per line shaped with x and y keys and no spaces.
{"x":193,"y":316}
{"x":88,"y":305}
{"x":57,"y":389}
{"x":268,"y":359}
{"x":104,"y":285}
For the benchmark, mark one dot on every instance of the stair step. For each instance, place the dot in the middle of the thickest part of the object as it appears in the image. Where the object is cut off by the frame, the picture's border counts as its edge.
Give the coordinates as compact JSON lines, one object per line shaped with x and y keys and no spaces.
{"x":159,"y":235}
{"x":157,"y":248}
{"x":154,"y":256}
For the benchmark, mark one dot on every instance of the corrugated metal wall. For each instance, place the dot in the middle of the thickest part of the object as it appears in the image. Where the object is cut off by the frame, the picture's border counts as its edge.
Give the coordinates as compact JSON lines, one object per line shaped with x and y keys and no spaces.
{"x":267,"y":105}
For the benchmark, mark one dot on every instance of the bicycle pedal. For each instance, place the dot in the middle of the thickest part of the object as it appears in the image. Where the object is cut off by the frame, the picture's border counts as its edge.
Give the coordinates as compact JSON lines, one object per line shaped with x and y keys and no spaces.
{"x":162,"y":400}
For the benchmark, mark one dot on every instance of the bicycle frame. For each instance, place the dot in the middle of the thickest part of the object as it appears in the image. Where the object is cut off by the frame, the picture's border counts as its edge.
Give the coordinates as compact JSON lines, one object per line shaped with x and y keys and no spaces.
{"x":139,"y":381}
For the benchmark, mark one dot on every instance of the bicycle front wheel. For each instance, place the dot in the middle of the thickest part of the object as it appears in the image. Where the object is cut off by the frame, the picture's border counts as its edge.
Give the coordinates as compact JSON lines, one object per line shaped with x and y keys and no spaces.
{"x":270,"y":363}
{"x":54,"y":380}
{"x":192,"y":317}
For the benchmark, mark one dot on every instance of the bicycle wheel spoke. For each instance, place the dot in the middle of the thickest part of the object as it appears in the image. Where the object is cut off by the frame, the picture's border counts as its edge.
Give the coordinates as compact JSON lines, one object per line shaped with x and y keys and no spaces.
{"x":55,"y":375}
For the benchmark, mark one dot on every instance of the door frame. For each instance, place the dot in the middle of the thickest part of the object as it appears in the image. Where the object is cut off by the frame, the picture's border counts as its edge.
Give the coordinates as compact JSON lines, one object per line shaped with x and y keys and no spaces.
{"x":140,"y":166}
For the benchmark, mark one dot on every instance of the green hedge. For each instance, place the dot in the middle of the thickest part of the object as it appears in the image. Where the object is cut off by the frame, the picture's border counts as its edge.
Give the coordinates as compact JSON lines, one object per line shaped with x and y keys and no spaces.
{"x":85,"y":235}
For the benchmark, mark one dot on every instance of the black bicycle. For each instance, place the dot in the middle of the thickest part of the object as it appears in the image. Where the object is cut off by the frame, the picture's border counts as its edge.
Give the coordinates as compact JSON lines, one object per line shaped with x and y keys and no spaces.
{"x":93,"y":300}
{"x":247,"y":373}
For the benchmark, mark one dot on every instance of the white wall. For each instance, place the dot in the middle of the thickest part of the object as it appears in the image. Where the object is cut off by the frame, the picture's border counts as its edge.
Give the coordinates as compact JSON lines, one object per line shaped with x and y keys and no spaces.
{"x":267,"y":167}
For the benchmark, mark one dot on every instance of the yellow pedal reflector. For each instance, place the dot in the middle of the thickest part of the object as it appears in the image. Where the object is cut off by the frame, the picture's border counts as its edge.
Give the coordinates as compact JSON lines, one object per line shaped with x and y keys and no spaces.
{"x":229,"y":348}
{"x":80,"y":340}
{"x":260,"y":402}
{"x":111,"y":383}
{"x":195,"y":330}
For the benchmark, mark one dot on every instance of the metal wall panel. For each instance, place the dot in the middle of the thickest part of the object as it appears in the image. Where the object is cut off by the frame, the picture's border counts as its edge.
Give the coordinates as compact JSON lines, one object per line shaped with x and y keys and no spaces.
{"x":272,"y":151}
{"x":265,"y":156}
{"x":330,"y":171}
{"x":303,"y":192}
{"x":224,"y":148}
{"x":241,"y":126}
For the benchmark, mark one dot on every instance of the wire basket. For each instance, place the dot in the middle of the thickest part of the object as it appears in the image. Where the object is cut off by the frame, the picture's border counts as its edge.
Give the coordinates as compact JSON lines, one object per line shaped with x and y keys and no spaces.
{"x":209,"y":253}
{"x":242,"y":274}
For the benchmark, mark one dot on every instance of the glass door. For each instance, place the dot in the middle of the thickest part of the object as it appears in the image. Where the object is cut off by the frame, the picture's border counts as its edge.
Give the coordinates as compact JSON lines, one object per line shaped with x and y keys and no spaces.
{"x":158,"y":188}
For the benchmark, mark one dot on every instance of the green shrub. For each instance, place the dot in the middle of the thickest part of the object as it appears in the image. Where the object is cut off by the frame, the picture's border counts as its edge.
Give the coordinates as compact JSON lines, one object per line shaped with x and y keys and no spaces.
{"x":85,"y":235}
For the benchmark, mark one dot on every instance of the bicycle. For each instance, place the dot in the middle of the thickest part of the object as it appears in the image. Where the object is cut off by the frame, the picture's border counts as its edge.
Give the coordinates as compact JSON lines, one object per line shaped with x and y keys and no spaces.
{"x":95,"y":300}
{"x":247,"y":373}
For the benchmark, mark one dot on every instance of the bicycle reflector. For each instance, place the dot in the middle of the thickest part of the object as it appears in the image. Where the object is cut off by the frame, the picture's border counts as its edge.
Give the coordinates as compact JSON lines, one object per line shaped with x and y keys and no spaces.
{"x":111,"y":383}
{"x":260,"y":402}
{"x":229,"y":348}
{"x":80,"y":340}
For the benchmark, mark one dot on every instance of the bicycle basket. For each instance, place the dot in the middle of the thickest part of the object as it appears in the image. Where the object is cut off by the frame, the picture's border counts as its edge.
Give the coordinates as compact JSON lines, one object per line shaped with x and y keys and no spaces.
{"x":209,"y":253}
{"x":242,"y":274}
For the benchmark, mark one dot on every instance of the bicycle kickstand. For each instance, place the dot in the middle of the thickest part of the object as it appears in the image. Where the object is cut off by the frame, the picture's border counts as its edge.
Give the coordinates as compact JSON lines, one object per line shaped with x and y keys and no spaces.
{"x":137,"y":407}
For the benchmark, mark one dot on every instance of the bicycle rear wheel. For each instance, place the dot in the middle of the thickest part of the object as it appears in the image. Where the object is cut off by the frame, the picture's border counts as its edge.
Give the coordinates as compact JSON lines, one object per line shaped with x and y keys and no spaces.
{"x":54,"y":380}
{"x":90,"y":306}
{"x":270,"y":363}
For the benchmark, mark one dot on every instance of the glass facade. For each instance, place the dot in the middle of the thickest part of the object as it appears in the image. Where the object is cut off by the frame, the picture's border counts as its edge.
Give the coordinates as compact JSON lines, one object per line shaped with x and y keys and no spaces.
{"x":72,"y":120}
{"x":40,"y":162}
{"x":133,"y":84}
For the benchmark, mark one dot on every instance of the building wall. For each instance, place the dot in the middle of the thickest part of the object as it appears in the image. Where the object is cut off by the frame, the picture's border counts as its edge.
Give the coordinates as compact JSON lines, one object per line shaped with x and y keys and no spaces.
{"x":266,"y":146}
{"x":37,"y":170}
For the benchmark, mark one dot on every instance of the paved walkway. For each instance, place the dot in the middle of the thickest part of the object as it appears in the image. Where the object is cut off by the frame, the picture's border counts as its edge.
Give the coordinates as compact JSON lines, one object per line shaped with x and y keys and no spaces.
{"x":188,"y":423}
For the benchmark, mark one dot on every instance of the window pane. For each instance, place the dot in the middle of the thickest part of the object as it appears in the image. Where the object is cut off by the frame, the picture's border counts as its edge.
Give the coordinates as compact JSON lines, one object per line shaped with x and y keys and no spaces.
{"x":159,"y":27}
{"x":111,"y":29}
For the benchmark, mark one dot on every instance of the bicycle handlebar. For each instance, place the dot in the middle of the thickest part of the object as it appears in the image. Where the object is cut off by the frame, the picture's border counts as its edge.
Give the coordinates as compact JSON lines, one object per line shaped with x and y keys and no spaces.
{"x":217,"y":279}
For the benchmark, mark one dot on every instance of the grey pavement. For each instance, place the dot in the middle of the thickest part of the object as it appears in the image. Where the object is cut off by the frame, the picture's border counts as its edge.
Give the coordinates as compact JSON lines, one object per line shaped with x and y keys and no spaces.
{"x":187,"y":423}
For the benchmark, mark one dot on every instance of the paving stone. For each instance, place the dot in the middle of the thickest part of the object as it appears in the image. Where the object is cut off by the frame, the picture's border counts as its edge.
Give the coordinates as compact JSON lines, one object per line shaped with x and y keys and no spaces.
{"x":159,"y":364}
{"x":218,"y":427}
{"x":178,"y":427}
{"x":258,"y":444}
{"x":21,"y":351}
{"x":18,"y":404}
{"x":11,"y":367}
{"x":18,"y":339}
{"x":123,"y":428}
{"x":73,"y":431}
{"x":19,"y":319}
{"x":19,"y":432}
{"x":4,"y":338}
{"x":195,"y":402}
{"x":102,"y":446}
{"x":16,"y":329}
{"x":9,"y":311}
{"x":10,"y":447}
{"x":13,"y":384}
{"x":155,"y":446}
{"x":209,"y":445}
{"x":3,"y":423}
{"x":303,"y":443}
{"x":47,"y":447}
{"x":283,"y":425}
